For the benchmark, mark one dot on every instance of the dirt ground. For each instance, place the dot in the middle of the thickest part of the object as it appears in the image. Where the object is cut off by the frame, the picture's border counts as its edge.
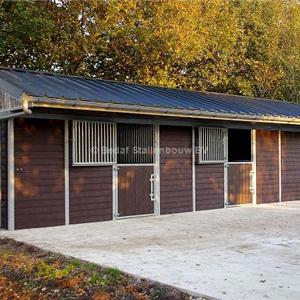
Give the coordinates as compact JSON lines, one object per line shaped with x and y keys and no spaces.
{"x":27,"y":272}
{"x":233,"y":253}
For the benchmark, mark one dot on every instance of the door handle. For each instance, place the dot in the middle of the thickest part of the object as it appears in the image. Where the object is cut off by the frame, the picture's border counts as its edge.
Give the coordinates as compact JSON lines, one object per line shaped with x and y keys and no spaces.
{"x":251,"y":188}
{"x":152,"y":194}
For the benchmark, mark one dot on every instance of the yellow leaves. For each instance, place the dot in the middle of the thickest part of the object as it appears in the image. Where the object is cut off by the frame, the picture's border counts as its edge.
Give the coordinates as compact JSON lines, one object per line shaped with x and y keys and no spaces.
{"x":54,"y":270}
{"x":29,"y":273}
{"x":248,"y":47}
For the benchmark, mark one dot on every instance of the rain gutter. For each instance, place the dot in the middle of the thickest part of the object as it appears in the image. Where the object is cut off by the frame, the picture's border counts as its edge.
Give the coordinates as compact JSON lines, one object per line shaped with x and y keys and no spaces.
{"x":62,"y":103}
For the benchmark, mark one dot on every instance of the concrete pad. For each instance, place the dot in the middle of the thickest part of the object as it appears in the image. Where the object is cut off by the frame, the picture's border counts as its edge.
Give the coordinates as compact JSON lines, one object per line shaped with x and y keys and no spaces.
{"x":233,"y":253}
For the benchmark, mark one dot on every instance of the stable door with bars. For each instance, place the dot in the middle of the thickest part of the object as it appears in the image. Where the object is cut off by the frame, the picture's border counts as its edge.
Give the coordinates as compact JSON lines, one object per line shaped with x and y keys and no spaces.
{"x":233,"y":148}
{"x":239,"y":168}
{"x":135,"y":170}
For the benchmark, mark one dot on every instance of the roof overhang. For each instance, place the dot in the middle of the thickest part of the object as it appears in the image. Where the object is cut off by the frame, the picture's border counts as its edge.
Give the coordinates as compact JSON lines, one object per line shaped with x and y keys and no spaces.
{"x":84,"y":105}
{"x":12,"y":104}
{"x":46,"y":102}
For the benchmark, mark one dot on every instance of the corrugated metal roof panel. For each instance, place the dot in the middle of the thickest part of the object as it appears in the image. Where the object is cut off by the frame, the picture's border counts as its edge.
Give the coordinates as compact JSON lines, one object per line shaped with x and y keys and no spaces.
{"x":40,"y":84}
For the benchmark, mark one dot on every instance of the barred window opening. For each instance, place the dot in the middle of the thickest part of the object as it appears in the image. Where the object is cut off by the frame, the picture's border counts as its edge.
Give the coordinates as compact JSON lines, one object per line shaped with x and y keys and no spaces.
{"x":93,"y":143}
{"x":135,"y":143}
{"x":211,"y":143}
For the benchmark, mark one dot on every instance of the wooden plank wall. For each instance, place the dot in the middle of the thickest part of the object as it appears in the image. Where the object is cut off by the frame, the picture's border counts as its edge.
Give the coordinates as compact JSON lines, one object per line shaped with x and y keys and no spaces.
{"x":290,"y":149}
{"x":90,"y":194}
{"x":267,"y":166}
{"x":3,"y":137}
{"x":175,"y":170}
{"x":209,"y":186}
{"x":239,"y":184}
{"x":90,"y":191}
{"x":39,"y":173}
{"x":134,"y":190}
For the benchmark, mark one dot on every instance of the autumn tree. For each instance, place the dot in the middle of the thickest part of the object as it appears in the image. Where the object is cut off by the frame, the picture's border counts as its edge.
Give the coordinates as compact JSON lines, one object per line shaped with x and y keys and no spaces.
{"x":247,"y":47}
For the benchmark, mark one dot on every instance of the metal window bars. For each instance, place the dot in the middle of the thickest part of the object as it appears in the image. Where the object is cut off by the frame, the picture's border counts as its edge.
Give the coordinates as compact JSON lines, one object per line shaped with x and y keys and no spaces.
{"x":94,"y":143}
{"x":211,"y":142}
{"x":135,"y":143}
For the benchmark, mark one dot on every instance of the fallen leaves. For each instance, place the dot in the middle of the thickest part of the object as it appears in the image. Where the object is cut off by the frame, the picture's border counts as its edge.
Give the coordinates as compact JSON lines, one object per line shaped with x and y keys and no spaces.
{"x":28,"y":273}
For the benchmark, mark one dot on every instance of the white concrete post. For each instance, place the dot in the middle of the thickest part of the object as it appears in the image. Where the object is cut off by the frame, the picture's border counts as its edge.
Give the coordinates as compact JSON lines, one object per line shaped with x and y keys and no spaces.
{"x":67,"y":178}
{"x":253,"y":154}
{"x":11,"y":174}
{"x":280,"y":165}
{"x":193,"y":169}
{"x":157,"y":169}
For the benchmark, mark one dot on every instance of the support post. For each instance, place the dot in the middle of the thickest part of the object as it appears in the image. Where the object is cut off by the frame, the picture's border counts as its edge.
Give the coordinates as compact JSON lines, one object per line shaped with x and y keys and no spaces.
{"x":115,"y":209}
{"x":193,"y":169}
{"x":225,"y":142}
{"x":280,"y":166}
{"x":253,"y":158}
{"x":67,"y":175}
{"x":157,"y":168}
{"x":115,"y":191}
{"x":11,"y":174}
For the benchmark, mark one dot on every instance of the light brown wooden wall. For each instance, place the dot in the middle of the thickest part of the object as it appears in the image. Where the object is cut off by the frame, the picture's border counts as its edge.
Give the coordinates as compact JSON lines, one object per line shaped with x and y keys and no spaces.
{"x":290,"y":150}
{"x":267,"y":166}
{"x":209,"y":186}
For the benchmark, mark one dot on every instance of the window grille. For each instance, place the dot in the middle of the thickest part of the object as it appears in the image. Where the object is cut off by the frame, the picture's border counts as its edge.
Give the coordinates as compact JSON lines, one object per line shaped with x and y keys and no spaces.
{"x":212,"y":145}
{"x":93,"y":143}
{"x":135,"y":144}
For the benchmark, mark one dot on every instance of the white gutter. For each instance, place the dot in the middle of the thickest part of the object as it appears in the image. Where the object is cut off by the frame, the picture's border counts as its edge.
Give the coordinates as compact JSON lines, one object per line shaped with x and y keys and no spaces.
{"x":154,"y":111}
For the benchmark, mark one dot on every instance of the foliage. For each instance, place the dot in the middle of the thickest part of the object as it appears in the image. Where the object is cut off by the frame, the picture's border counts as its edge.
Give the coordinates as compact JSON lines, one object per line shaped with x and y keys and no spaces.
{"x":27,"y":272}
{"x":109,"y":277}
{"x":51,"y":271}
{"x":247,"y":47}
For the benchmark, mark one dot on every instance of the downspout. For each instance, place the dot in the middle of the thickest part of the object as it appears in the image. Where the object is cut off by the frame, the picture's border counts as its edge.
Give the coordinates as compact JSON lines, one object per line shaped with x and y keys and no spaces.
{"x":25,"y":104}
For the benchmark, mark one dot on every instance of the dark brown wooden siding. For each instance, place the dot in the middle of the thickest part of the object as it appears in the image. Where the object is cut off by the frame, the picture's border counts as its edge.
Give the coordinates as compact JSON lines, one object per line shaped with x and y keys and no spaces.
{"x":239,"y":184}
{"x":267,"y":166}
{"x":175,"y":170}
{"x":90,"y":192}
{"x":290,"y":178}
{"x":3,"y":137}
{"x":134,"y":190}
{"x":209,"y":186}
{"x":39,"y":173}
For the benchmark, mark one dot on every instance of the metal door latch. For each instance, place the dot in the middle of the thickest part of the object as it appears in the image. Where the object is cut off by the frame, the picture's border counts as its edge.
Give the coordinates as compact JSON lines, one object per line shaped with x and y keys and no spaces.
{"x":152,"y":194}
{"x":251,"y":187}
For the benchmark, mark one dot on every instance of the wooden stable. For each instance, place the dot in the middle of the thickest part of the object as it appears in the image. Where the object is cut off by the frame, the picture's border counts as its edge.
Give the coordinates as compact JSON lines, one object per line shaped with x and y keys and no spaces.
{"x":62,"y":165}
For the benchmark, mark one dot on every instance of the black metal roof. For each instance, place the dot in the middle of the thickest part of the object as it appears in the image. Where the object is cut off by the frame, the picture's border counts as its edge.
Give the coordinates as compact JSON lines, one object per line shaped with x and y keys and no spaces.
{"x":39,"y":84}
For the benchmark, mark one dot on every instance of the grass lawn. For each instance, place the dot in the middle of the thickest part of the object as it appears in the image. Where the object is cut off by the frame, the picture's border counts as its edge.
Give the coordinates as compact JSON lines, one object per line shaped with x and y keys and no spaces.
{"x":27,"y":272}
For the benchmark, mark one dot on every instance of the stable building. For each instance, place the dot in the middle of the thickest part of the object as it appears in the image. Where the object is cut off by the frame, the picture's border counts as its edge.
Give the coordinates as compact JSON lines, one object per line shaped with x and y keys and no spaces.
{"x":77,"y":150}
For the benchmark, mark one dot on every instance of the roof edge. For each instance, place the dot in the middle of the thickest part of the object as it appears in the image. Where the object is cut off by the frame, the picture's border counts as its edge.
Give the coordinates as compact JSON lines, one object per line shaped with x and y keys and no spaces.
{"x":59,"y":103}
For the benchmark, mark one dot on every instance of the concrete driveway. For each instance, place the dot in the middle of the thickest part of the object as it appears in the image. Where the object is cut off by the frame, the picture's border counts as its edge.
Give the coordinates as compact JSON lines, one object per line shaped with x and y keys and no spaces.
{"x":234,"y":253}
